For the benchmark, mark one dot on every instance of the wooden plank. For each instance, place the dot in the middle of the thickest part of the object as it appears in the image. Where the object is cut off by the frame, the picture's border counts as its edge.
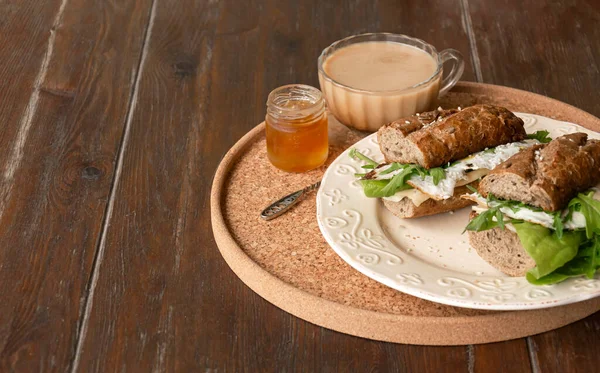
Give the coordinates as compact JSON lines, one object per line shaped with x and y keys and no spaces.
{"x":25,"y":30}
{"x":341,"y":353}
{"x":509,"y":356}
{"x":57,"y":163}
{"x":573,"y":348}
{"x":544,"y":47}
{"x":549,"y":48}
{"x":164,"y":300}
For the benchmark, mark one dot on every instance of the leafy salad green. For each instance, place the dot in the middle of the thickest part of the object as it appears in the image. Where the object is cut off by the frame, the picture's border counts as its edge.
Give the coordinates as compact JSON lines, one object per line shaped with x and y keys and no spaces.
{"x":541,"y":136}
{"x":558,"y":253}
{"x":586,"y":261}
{"x":493,"y":216}
{"x":389,"y":187}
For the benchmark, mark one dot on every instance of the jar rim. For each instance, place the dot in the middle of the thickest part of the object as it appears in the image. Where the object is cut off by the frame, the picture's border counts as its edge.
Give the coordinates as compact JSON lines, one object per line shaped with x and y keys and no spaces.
{"x":296,"y":92}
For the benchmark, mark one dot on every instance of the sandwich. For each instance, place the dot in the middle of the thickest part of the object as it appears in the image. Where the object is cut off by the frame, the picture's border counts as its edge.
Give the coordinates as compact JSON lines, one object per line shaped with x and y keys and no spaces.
{"x":538,"y":213}
{"x":431,"y":158}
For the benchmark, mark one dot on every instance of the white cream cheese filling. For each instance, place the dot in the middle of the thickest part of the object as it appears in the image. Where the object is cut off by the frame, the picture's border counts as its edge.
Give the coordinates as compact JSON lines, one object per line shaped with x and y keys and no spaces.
{"x":460,"y":173}
{"x":524,"y":213}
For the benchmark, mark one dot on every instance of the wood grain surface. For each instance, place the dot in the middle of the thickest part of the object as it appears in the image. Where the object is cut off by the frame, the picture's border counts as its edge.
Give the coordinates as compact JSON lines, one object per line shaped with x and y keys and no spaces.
{"x":115,"y":116}
{"x":552,"y":49}
{"x":549,"y":48}
{"x":57,"y":166}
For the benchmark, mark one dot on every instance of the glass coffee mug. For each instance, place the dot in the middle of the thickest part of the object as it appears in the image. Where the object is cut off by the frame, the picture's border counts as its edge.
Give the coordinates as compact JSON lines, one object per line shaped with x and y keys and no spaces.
{"x":369,"y":109}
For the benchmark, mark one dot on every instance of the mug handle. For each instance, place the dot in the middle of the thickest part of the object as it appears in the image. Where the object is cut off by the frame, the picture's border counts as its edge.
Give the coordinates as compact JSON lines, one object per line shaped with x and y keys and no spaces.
{"x":458,"y":67}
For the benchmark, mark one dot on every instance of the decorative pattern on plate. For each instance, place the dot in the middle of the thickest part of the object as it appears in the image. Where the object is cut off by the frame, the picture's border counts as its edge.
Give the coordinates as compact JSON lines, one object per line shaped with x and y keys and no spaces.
{"x":354,"y":183}
{"x":538,"y":293}
{"x":364,"y":238}
{"x":496,"y":290}
{"x":335,"y":223}
{"x":585,"y":284}
{"x":528,"y":121}
{"x":409,"y":278}
{"x":567,"y":129}
{"x":345,"y":169}
{"x":368,"y":259}
{"x":436,"y":262}
{"x":335,"y":196}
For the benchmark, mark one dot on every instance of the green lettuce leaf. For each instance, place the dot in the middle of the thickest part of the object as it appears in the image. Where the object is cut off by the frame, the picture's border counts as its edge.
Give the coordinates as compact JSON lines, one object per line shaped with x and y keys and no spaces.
{"x":381,"y":188}
{"x":553,"y":278}
{"x":587,"y":259}
{"x":389,"y":187}
{"x":398,"y":182}
{"x":575,"y":268}
{"x":590,"y":208}
{"x":372,"y":188}
{"x":558,"y":225}
{"x":594,"y":259}
{"x":393,"y":167}
{"x":437,"y":174}
{"x":558,"y":253}
{"x":500,"y":218}
{"x":483,"y":221}
{"x":541,"y":136}
{"x":547,"y":250}
{"x":355,"y":154}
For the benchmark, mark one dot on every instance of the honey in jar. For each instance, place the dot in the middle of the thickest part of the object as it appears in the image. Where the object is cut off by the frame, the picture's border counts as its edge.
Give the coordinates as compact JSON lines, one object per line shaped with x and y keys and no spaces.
{"x":296,"y":128}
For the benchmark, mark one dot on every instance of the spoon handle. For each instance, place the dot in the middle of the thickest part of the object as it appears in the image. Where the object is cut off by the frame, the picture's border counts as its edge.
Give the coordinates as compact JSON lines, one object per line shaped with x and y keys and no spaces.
{"x":282,"y":205}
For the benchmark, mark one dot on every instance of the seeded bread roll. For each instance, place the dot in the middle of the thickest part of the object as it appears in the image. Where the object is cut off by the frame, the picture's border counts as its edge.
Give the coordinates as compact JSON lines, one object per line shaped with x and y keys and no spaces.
{"x":502,"y":249}
{"x":547,"y":176}
{"x":436,"y":138}
{"x":406,"y":208}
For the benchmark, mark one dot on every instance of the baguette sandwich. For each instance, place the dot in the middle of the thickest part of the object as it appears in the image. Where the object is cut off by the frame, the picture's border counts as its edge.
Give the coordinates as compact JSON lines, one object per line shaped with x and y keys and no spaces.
{"x":431,"y":158}
{"x":538,"y":213}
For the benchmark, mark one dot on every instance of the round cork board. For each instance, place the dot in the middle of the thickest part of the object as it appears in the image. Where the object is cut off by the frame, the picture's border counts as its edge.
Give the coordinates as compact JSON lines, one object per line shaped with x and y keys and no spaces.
{"x":287,"y":261}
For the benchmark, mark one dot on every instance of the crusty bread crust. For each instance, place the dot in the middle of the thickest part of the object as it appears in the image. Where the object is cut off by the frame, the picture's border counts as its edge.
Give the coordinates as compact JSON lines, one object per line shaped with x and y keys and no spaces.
{"x":502,"y":249}
{"x":451,"y":135}
{"x":406,"y":209}
{"x":547,"y":176}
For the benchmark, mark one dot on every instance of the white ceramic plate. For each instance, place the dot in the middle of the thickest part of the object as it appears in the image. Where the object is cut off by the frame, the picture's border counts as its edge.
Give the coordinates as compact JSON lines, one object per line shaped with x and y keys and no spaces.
{"x":429,"y":257}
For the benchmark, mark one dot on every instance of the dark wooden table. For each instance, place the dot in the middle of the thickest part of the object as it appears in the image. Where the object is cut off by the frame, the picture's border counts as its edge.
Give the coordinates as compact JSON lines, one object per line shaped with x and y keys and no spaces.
{"x":115,"y":115}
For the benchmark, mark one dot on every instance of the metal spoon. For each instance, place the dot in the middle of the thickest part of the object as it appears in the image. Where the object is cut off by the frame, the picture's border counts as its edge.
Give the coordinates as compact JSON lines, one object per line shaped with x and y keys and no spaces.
{"x":282,"y":205}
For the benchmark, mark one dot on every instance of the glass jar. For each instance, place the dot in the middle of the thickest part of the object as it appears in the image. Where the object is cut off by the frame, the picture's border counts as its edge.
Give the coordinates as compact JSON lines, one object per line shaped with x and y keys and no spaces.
{"x":296,"y":128}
